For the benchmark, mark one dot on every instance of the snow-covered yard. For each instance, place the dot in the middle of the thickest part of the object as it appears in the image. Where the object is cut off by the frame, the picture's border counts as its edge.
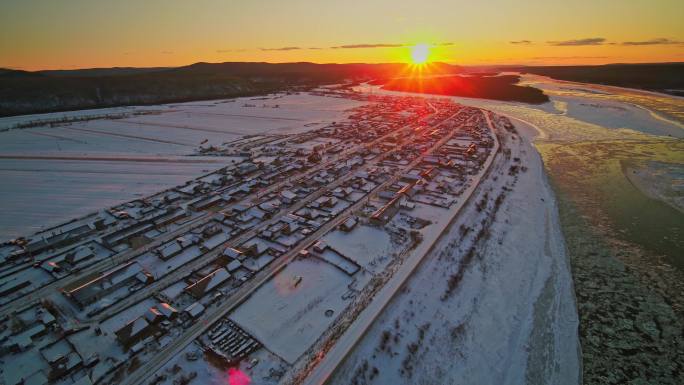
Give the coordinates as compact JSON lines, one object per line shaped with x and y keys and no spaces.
{"x":288,"y":313}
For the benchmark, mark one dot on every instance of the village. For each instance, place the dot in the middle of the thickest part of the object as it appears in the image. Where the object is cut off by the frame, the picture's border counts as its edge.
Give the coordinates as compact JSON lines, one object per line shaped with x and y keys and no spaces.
{"x":251,"y":266}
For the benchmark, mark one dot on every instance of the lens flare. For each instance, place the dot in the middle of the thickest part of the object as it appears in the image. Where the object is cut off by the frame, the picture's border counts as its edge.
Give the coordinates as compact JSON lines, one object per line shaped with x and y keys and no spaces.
{"x":238,"y":377}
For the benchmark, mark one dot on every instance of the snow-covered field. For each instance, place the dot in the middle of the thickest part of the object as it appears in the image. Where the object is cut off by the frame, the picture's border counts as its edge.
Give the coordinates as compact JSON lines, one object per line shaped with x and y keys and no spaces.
{"x":51,"y":174}
{"x":35,"y":193}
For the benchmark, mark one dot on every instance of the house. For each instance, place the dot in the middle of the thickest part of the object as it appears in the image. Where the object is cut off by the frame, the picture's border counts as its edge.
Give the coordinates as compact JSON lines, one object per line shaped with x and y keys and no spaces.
{"x":246,"y":168}
{"x":22,"y":341}
{"x":208,"y":283}
{"x":256,"y":212}
{"x":254,"y":247}
{"x":81,"y":254}
{"x":325,"y":201}
{"x":127,"y":274}
{"x":133,"y":332}
{"x":291,"y":218}
{"x":153,"y":315}
{"x":172,"y":215}
{"x":258,"y":263}
{"x":172,"y":197}
{"x":410,"y":178}
{"x":388,"y":195}
{"x":288,"y":197}
{"x":233,"y":265}
{"x":167,"y":310}
{"x":194,"y":310}
{"x":211,"y":230}
{"x":348,"y":224}
{"x":289,"y":228}
{"x":269,"y":207}
{"x":169,"y":250}
{"x":342,"y":192}
{"x":127,"y":234}
{"x":430,"y":173}
{"x":320,"y":246}
{"x":309,"y":213}
{"x":233,"y":253}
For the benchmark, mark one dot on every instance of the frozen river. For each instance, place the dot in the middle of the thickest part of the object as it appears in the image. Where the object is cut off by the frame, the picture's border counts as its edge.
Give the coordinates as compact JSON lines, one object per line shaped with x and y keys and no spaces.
{"x":601,"y":131}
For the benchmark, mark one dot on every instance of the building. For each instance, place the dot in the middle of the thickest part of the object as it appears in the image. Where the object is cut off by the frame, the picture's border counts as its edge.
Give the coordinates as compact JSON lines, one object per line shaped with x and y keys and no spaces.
{"x":233,"y":253}
{"x":167,"y":310}
{"x":208,"y":283}
{"x":125,"y":275}
{"x":287,"y":196}
{"x":169,"y":250}
{"x":194,"y":310}
{"x":348,"y":224}
{"x":134,"y":332}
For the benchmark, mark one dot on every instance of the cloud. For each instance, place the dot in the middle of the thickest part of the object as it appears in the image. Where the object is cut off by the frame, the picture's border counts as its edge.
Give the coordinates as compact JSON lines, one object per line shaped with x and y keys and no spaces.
{"x":522,"y":42}
{"x":567,"y":57}
{"x":314,"y":48}
{"x":446,"y":44}
{"x":576,"y":42}
{"x":281,"y":49}
{"x":659,"y":41}
{"x":366,"y":45}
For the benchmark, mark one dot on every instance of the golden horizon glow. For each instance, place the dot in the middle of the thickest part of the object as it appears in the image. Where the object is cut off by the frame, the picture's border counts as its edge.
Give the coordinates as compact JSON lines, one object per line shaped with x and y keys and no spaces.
{"x":45,"y":34}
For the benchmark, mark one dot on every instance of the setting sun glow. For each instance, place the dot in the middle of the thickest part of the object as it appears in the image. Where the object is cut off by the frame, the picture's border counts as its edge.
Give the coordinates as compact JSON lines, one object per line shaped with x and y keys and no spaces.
{"x":420,"y":53}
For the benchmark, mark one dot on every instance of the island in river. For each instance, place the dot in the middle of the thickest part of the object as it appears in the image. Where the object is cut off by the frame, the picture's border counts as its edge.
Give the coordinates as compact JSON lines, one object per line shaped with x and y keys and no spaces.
{"x":481,"y":86}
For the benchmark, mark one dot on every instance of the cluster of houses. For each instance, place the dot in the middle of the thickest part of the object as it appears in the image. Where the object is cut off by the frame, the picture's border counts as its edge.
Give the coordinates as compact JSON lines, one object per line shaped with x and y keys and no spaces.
{"x":152,"y":324}
{"x":235,"y":221}
{"x":34,"y":341}
{"x":439,"y":178}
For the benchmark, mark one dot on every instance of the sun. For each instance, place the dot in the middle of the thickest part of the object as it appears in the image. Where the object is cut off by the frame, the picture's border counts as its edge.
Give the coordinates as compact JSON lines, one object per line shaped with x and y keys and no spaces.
{"x":420,"y":53}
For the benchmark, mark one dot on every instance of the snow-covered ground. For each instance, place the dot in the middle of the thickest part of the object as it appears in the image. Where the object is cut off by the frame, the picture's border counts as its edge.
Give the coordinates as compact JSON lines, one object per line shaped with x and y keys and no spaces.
{"x":368,"y":246}
{"x":511,"y":318}
{"x":288,"y":313}
{"x":55,"y":173}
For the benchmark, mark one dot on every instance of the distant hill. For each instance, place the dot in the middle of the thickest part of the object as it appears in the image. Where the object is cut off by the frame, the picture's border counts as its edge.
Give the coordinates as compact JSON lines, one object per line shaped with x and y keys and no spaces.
{"x":10,"y":73}
{"x":23,"y":92}
{"x":661,"y":77}
{"x":95,"y":72}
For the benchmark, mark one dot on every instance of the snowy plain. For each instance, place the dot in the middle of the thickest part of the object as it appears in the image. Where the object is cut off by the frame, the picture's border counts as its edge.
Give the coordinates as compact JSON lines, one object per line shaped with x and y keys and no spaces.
{"x":55,"y":172}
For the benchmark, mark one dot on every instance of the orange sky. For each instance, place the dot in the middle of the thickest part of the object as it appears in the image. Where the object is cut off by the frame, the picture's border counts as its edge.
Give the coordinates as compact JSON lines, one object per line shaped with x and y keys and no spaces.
{"x":40,"y":34}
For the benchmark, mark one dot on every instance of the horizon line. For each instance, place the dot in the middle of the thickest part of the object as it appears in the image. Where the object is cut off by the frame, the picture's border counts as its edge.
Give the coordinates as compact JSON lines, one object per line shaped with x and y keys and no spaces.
{"x":336,"y":63}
